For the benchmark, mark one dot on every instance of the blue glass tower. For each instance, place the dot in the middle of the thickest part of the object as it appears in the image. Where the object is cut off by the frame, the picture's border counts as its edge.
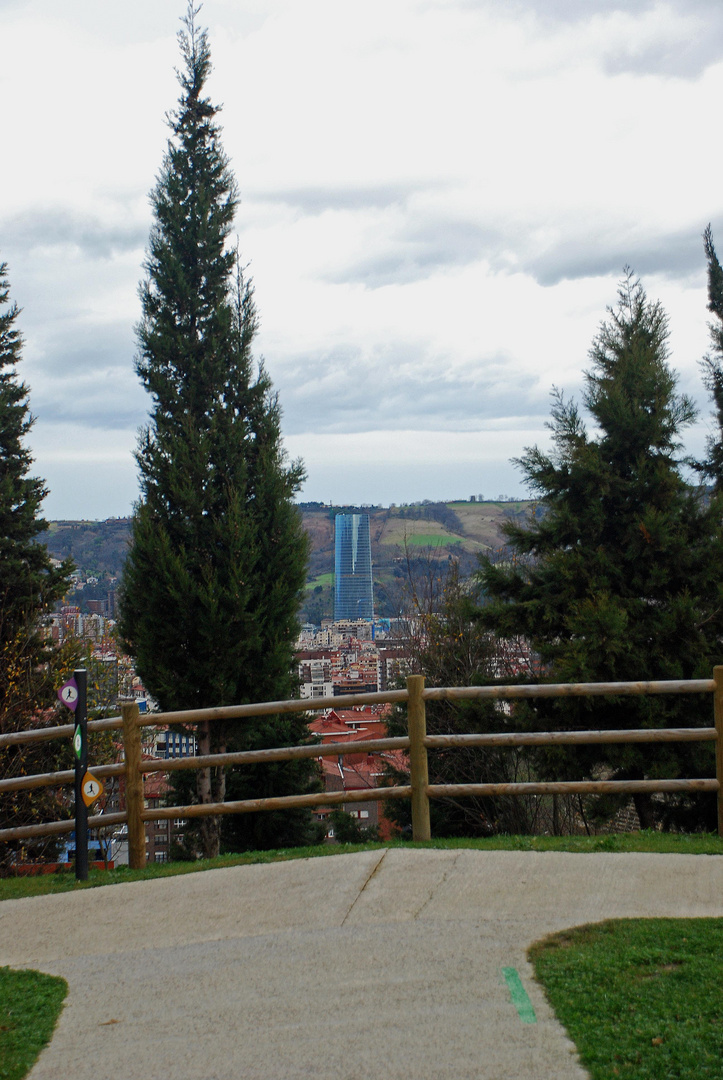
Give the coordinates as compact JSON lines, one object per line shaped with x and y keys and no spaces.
{"x":353,"y":591}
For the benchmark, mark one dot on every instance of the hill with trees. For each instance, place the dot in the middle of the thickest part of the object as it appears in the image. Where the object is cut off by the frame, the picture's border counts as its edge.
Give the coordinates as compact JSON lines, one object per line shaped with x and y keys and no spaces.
{"x":405,"y":537}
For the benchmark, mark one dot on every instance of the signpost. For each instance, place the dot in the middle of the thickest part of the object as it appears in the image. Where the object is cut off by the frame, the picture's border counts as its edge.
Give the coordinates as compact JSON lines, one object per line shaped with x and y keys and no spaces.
{"x":74,"y":694}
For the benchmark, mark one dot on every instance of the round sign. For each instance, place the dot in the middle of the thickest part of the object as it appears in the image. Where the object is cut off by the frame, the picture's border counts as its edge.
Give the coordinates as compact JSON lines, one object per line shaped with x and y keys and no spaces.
{"x":68,"y":694}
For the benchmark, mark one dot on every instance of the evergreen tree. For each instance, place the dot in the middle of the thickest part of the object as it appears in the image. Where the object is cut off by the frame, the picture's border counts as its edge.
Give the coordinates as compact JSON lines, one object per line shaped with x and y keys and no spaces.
{"x":712,"y":467}
{"x":218,"y":557}
{"x":621,"y":578}
{"x":29,"y":583}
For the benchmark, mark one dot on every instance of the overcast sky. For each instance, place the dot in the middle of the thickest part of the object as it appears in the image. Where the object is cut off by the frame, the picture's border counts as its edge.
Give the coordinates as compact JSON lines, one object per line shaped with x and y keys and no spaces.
{"x":438,"y":200}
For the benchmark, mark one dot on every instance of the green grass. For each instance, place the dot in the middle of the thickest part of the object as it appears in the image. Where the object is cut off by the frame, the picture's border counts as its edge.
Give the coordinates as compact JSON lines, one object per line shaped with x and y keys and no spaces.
{"x":321,"y":579}
{"x":661,"y":843}
{"x":641,"y":998}
{"x":30,"y":1004}
{"x":431,"y":540}
{"x":650,"y":841}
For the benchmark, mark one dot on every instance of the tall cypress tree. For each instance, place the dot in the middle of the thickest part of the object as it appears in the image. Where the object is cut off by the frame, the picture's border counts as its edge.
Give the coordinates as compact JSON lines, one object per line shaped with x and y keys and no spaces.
{"x":218,"y":558}
{"x":712,"y":466}
{"x":621,"y":578}
{"x":29,"y":583}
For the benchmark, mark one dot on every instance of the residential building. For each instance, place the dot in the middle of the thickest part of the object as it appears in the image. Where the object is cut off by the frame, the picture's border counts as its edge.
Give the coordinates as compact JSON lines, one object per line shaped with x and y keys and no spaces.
{"x":356,"y":772}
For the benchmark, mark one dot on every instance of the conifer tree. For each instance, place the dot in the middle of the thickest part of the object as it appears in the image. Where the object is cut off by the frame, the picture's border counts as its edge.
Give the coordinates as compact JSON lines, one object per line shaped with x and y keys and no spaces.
{"x":29,"y":583}
{"x":218,"y":557}
{"x":712,"y":467}
{"x":621,"y":578}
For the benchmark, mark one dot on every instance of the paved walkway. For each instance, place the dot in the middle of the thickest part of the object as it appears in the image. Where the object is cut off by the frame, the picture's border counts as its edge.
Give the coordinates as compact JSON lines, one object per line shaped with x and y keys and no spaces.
{"x":383,"y":964}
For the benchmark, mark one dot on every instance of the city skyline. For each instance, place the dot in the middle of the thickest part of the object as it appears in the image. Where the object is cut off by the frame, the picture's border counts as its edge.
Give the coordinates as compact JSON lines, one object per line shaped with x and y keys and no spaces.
{"x":437,"y":202}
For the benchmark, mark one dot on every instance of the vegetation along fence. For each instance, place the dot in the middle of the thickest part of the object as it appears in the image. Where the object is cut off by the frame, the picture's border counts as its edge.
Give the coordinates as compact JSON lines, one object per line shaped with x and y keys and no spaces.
{"x":417,"y":742}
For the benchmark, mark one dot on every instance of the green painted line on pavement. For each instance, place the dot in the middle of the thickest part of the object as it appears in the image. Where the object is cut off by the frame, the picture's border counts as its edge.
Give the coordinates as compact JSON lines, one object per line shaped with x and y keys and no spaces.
{"x":520,"y":1000}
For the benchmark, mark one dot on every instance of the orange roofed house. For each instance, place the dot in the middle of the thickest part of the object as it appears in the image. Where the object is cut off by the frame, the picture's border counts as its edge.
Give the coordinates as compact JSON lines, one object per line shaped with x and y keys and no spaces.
{"x":357,"y":772}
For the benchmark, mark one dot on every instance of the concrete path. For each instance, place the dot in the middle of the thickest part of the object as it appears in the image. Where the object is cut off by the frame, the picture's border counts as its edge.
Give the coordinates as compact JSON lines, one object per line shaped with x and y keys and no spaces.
{"x":383,"y":964}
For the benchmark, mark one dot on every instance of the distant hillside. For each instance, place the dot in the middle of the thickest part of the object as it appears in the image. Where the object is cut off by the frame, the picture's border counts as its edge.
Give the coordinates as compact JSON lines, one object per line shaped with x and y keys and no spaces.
{"x":401,"y":536}
{"x":97,"y":548}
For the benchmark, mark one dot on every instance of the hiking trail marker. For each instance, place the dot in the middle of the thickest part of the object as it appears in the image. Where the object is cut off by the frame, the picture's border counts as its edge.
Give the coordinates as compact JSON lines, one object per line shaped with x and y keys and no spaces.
{"x":68,"y":694}
{"x":92,"y":789}
{"x":74,"y":694}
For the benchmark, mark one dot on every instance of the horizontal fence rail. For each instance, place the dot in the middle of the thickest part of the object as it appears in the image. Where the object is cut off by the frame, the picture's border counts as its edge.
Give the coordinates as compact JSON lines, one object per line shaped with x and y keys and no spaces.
{"x":569,"y":738}
{"x":610,"y":689}
{"x":57,"y":779}
{"x":271,"y":708}
{"x":283,"y":753}
{"x":194,"y":716}
{"x":571,"y":787}
{"x":419,"y":790}
{"x":282,"y":802}
{"x":59,"y":828}
{"x":60,"y":731}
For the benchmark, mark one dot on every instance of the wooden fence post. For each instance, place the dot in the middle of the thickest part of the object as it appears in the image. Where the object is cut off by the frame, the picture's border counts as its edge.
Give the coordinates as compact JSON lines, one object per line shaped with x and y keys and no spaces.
{"x":718,"y":713}
{"x":417,"y":721}
{"x":134,"y":785}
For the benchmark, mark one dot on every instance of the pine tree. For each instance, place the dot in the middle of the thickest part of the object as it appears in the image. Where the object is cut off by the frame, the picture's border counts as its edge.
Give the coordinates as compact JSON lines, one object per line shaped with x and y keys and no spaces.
{"x":621,"y":572}
{"x":712,"y":467}
{"x":29,"y":583}
{"x":218,"y":557}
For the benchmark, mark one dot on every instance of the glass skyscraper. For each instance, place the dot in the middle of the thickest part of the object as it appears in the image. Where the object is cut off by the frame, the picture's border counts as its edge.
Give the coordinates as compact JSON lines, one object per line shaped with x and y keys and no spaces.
{"x":353,"y":592}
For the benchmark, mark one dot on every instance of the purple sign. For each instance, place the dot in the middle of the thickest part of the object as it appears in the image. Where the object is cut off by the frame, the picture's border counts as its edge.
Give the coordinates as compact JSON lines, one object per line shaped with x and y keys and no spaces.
{"x":68,"y":694}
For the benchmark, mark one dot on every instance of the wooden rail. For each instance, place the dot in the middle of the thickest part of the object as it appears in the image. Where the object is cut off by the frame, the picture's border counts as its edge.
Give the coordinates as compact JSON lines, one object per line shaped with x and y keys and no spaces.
{"x":61,"y":731}
{"x":610,"y":689}
{"x":419,"y":790}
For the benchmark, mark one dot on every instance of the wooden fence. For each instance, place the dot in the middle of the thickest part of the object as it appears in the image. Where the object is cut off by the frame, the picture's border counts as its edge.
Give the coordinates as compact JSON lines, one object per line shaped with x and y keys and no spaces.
{"x":417,"y":742}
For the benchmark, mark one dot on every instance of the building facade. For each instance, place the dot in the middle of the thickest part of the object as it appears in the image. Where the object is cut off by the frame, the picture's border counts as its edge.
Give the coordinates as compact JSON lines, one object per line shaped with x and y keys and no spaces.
{"x":353,"y":589}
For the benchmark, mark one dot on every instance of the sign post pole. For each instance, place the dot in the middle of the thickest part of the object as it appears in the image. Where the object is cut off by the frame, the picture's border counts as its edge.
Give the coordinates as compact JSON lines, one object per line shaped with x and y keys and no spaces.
{"x":80,"y":746}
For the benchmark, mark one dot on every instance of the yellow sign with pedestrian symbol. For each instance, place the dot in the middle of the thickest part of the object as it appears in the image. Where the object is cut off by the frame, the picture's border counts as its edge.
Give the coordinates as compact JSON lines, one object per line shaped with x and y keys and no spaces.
{"x":92,"y":789}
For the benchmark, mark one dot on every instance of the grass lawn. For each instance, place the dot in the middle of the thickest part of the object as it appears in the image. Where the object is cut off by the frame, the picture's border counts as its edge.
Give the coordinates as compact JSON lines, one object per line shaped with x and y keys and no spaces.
{"x":30,"y":1004}
{"x":640,"y":998}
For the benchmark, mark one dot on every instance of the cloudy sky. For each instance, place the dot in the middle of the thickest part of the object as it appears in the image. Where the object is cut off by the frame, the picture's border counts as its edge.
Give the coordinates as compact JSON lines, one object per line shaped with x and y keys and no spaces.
{"x":438,"y":199}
